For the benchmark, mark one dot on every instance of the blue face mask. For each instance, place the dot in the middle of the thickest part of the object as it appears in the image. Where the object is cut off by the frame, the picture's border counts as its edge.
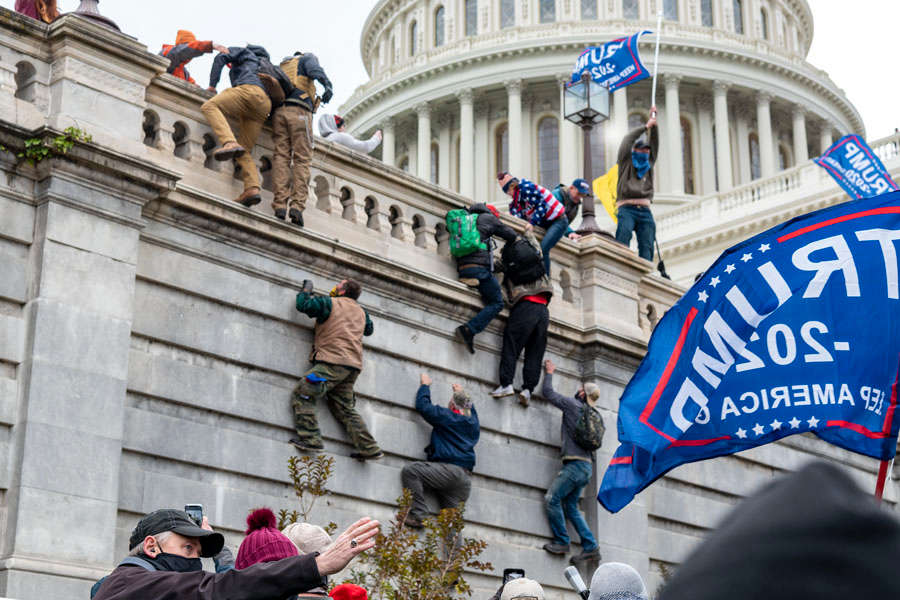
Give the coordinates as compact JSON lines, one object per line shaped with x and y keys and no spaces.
{"x":641,"y":162}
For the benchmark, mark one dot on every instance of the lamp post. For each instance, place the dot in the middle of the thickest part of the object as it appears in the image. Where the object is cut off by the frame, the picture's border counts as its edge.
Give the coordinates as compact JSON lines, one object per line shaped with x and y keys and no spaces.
{"x":88,"y":9}
{"x":586,"y":103}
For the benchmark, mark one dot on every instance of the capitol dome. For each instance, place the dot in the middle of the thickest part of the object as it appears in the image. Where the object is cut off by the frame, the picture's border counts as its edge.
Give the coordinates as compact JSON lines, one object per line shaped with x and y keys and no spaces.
{"x":466,"y":88}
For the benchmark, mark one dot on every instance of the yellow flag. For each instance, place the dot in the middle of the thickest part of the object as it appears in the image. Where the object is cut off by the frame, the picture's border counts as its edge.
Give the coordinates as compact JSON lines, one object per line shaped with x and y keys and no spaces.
{"x":605,"y":191}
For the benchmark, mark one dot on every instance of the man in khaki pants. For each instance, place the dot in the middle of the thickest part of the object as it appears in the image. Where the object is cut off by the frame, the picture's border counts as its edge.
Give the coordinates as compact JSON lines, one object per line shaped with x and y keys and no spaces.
{"x":292,"y":135}
{"x":245,"y":102}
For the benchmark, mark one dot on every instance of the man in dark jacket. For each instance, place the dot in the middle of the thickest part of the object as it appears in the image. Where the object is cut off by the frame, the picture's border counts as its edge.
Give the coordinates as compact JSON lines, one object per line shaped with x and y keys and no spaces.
{"x":164,"y":562}
{"x":292,"y":135}
{"x":336,"y":355}
{"x":571,"y":196}
{"x":561,"y":500}
{"x":635,"y":189}
{"x":477,"y":270}
{"x":451,"y":453}
{"x":247,"y":103}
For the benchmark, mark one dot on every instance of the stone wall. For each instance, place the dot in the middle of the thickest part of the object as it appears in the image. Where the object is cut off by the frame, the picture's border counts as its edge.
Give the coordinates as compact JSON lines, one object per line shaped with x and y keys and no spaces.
{"x":149,"y":341}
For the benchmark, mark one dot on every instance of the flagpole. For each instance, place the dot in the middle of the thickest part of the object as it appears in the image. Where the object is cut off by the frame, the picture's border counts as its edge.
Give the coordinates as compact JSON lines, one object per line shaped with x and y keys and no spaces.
{"x":882,"y":477}
{"x":659,"y":16}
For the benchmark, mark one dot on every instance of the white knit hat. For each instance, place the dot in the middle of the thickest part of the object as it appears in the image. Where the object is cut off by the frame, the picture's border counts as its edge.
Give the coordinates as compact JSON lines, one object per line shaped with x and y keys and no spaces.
{"x":522,"y":588}
{"x":307,"y":537}
{"x":617,"y":581}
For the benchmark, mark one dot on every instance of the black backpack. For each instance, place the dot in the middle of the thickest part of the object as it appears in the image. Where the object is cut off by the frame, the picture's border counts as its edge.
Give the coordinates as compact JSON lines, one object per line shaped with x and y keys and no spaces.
{"x":589,"y":429}
{"x":522,"y":262}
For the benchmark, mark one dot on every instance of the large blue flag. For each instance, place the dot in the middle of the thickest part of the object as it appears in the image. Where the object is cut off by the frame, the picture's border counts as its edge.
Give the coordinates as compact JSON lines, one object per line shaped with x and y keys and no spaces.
{"x":614,"y":65}
{"x":856,"y":168}
{"x":795,"y":330}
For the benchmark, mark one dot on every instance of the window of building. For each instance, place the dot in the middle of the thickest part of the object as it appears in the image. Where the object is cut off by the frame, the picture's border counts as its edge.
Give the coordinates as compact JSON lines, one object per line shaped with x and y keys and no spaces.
{"x":507,"y":13}
{"x":738,"y":10}
{"x":763,"y":23}
{"x":784,"y":158}
{"x":598,"y":151}
{"x":687,"y":156}
{"x":548,"y":151}
{"x":588,"y":9}
{"x":435,"y":157}
{"x":755,"y":163}
{"x":413,"y":35}
{"x":706,"y":13}
{"x":501,"y":145}
{"x":439,"y":27}
{"x":630,"y":9}
{"x":670,"y":10}
{"x":548,"y":11}
{"x":471,"y":17}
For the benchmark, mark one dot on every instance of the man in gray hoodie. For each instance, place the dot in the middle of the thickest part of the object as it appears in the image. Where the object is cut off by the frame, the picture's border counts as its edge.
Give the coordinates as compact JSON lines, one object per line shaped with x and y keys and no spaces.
{"x":331,"y":127}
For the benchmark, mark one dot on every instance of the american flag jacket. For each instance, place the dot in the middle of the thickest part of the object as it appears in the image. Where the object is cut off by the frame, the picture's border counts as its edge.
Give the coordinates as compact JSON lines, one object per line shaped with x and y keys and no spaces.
{"x":535,"y":204}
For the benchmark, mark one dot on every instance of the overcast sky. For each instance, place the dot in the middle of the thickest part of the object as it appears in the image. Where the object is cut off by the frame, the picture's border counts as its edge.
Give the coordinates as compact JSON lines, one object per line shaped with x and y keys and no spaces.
{"x":857,"y":46}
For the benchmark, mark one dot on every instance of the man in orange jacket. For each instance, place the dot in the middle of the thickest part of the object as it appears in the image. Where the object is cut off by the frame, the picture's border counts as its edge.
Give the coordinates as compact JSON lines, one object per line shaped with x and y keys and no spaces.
{"x":186,"y":48}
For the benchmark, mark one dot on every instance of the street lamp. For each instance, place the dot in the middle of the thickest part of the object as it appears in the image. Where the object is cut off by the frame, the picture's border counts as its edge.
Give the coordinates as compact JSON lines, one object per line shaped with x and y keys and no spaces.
{"x":88,"y":9}
{"x":586,"y":103}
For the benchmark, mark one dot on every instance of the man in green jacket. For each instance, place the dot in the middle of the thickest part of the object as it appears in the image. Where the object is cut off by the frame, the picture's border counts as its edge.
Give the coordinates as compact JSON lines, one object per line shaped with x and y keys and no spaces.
{"x":336,"y":355}
{"x":635,"y":190}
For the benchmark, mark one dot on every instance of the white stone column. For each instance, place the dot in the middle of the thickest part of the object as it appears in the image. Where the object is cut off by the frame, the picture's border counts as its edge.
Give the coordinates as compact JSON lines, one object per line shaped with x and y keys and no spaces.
{"x":526,"y":154}
{"x":825,"y":138}
{"x":569,"y":143}
{"x":444,"y":149}
{"x":483,"y":177}
{"x":764,"y":126}
{"x":673,"y":134}
{"x":742,"y":142}
{"x":466,"y":144}
{"x":514,"y":128}
{"x":707,"y":146}
{"x":801,"y":147}
{"x":723,"y":137}
{"x":388,"y":143}
{"x":423,"y":145}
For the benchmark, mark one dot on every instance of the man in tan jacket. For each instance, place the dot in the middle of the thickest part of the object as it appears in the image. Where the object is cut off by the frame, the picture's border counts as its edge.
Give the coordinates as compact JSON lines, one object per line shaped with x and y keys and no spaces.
{"x":337,"y":351}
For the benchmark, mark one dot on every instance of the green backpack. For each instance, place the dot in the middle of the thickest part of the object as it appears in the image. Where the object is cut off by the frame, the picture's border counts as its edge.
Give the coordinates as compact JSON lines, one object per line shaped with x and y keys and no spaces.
{"x":589,"y":429}
{"x":464,"y":236}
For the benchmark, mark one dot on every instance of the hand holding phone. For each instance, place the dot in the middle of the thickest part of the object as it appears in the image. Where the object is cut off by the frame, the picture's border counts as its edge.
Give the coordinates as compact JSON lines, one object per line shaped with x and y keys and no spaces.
{"x":195,"y":512}
{"x":307,"y":286}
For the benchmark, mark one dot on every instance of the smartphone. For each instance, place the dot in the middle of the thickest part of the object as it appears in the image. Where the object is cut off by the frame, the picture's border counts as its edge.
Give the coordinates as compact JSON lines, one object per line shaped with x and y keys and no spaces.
{"x":510,"y":574}
{"x":195,"y":512}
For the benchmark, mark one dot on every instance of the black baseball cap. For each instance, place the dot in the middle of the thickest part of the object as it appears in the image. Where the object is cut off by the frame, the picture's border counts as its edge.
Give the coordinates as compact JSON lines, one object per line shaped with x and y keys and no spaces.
{"x":170,"y":519}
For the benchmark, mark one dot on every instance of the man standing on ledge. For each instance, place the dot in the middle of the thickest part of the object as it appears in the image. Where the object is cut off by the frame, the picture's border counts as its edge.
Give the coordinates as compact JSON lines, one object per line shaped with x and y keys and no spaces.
{"x":635,"y":190}
{"x":336,"y":355}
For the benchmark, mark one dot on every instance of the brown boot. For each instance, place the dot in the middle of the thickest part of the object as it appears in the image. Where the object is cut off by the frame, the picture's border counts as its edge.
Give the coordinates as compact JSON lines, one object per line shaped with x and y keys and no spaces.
{"x":228,"y":151}
{"x":250,"y":197}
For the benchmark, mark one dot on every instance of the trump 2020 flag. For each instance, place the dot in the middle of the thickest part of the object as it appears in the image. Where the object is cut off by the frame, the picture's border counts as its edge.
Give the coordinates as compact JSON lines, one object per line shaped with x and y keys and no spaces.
{"x":614,"y":65}
{"x":856,"y":168}
{"x":795,"y":330}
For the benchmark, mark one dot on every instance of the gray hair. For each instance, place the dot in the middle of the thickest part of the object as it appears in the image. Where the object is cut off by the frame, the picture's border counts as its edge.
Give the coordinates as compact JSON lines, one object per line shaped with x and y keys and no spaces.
{"x":160,"y":538}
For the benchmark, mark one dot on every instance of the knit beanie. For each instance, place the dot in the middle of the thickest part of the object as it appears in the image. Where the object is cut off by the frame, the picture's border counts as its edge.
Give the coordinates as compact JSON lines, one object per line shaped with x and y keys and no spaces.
{"x":617,"y":581}
{"x":592,"y":392}
{"x":184,"y":37}
{"x":522,"y":588}
{"x":505,"y":180}
{"x":348,"y":591}
{"x":307,"y":537}
{"x":264,"y":543}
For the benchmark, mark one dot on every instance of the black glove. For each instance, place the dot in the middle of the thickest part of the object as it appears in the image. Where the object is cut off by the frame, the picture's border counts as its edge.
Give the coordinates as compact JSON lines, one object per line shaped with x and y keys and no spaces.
{"x":326,"y":96}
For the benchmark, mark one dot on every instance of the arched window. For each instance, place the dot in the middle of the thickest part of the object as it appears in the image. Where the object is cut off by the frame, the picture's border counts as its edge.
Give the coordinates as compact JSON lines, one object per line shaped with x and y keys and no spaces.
{"x":784,"y":158}
{"x":706,"y":13}
{"x":548,"y":151}
{"x":755,"y":164}
{"x":548,"y":11}
{"x":435,"y":156}
{"x":670,"y":10}
{"x":687,"y":156}
{"x":598,"y":150}
{"x":501,"y":146}
{"x":630,"y":9}
{"x":738,"y":10}
{"x":507,"y":13}
{"x":439,"y":27}
{"x":413,"y":37}
{"x":471,"y":17}
{"x":764,"y":23}
{"x":588,"y":9}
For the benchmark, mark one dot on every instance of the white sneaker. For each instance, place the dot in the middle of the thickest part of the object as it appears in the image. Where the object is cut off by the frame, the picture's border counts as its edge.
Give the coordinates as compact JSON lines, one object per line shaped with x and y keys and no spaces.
{"x":524,"y":397}
{"x":502,"y":391}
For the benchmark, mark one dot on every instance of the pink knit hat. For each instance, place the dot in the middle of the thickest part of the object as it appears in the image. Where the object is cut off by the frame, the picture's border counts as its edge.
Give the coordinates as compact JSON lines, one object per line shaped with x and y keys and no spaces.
{"x":505,"y":179}
{"x":264,"y":543}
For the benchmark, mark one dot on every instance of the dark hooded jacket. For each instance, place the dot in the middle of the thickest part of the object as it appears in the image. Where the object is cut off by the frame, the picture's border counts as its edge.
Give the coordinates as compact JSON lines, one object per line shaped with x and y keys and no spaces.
{"x":453,"y":436}
{"x":811,"y":535}
{"x":630,"y":185}
{"x":244,"y":63}
{"x":488,"y":226}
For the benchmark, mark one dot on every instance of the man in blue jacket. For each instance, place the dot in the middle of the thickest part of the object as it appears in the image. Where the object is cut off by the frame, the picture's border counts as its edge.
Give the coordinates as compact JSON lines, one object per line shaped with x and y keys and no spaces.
{"x":451,"y":454}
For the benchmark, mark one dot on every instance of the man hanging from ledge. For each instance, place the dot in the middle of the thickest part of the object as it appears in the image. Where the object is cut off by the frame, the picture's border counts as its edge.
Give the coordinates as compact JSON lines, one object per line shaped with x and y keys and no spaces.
{"x":635,"y":189}
{"x":336,"y":355}
{"x":333,"y":128}
{"x":186,"y":48}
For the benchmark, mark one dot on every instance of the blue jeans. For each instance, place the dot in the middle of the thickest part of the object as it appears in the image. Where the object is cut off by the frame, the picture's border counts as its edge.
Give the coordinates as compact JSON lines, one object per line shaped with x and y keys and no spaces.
{"x":562,"y":503}
{"x":489,"y":288}
{"x":553,"y":232}
{"x":640,"y":220}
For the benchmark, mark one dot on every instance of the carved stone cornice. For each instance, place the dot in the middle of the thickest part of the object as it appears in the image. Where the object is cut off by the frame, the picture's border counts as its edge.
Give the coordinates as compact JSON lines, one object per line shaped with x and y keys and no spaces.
{"x":423,"y":109}
{"x":672,"y":79}
{"x":465,"y":96}
{"x":513,"y":86}
{"x":720,"y":87}
{"x":763,"y":97}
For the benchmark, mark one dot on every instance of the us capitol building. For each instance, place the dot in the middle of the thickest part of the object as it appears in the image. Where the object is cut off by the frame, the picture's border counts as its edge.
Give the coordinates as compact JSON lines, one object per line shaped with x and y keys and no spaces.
{"x":466,"y":88}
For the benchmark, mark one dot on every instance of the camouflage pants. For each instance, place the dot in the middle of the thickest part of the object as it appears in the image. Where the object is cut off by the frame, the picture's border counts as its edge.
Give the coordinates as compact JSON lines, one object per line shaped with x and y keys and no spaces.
{"x":334,"y":382}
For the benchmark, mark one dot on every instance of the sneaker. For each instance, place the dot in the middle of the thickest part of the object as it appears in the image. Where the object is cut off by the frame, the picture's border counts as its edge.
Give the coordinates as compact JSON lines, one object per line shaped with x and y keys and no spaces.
{"x":586,"y":555}
{"x":463,"y":333}
{"x":377,"y":455}
{"x":305,"y":446}
{"x":280,"y":213}
{"x":250,"y":197}
{"x":503,"y":390}
{"x":524,"y":397}
{"x":296,"y":216}
{"x":554,"y":548}
{"x":229,"y":151}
